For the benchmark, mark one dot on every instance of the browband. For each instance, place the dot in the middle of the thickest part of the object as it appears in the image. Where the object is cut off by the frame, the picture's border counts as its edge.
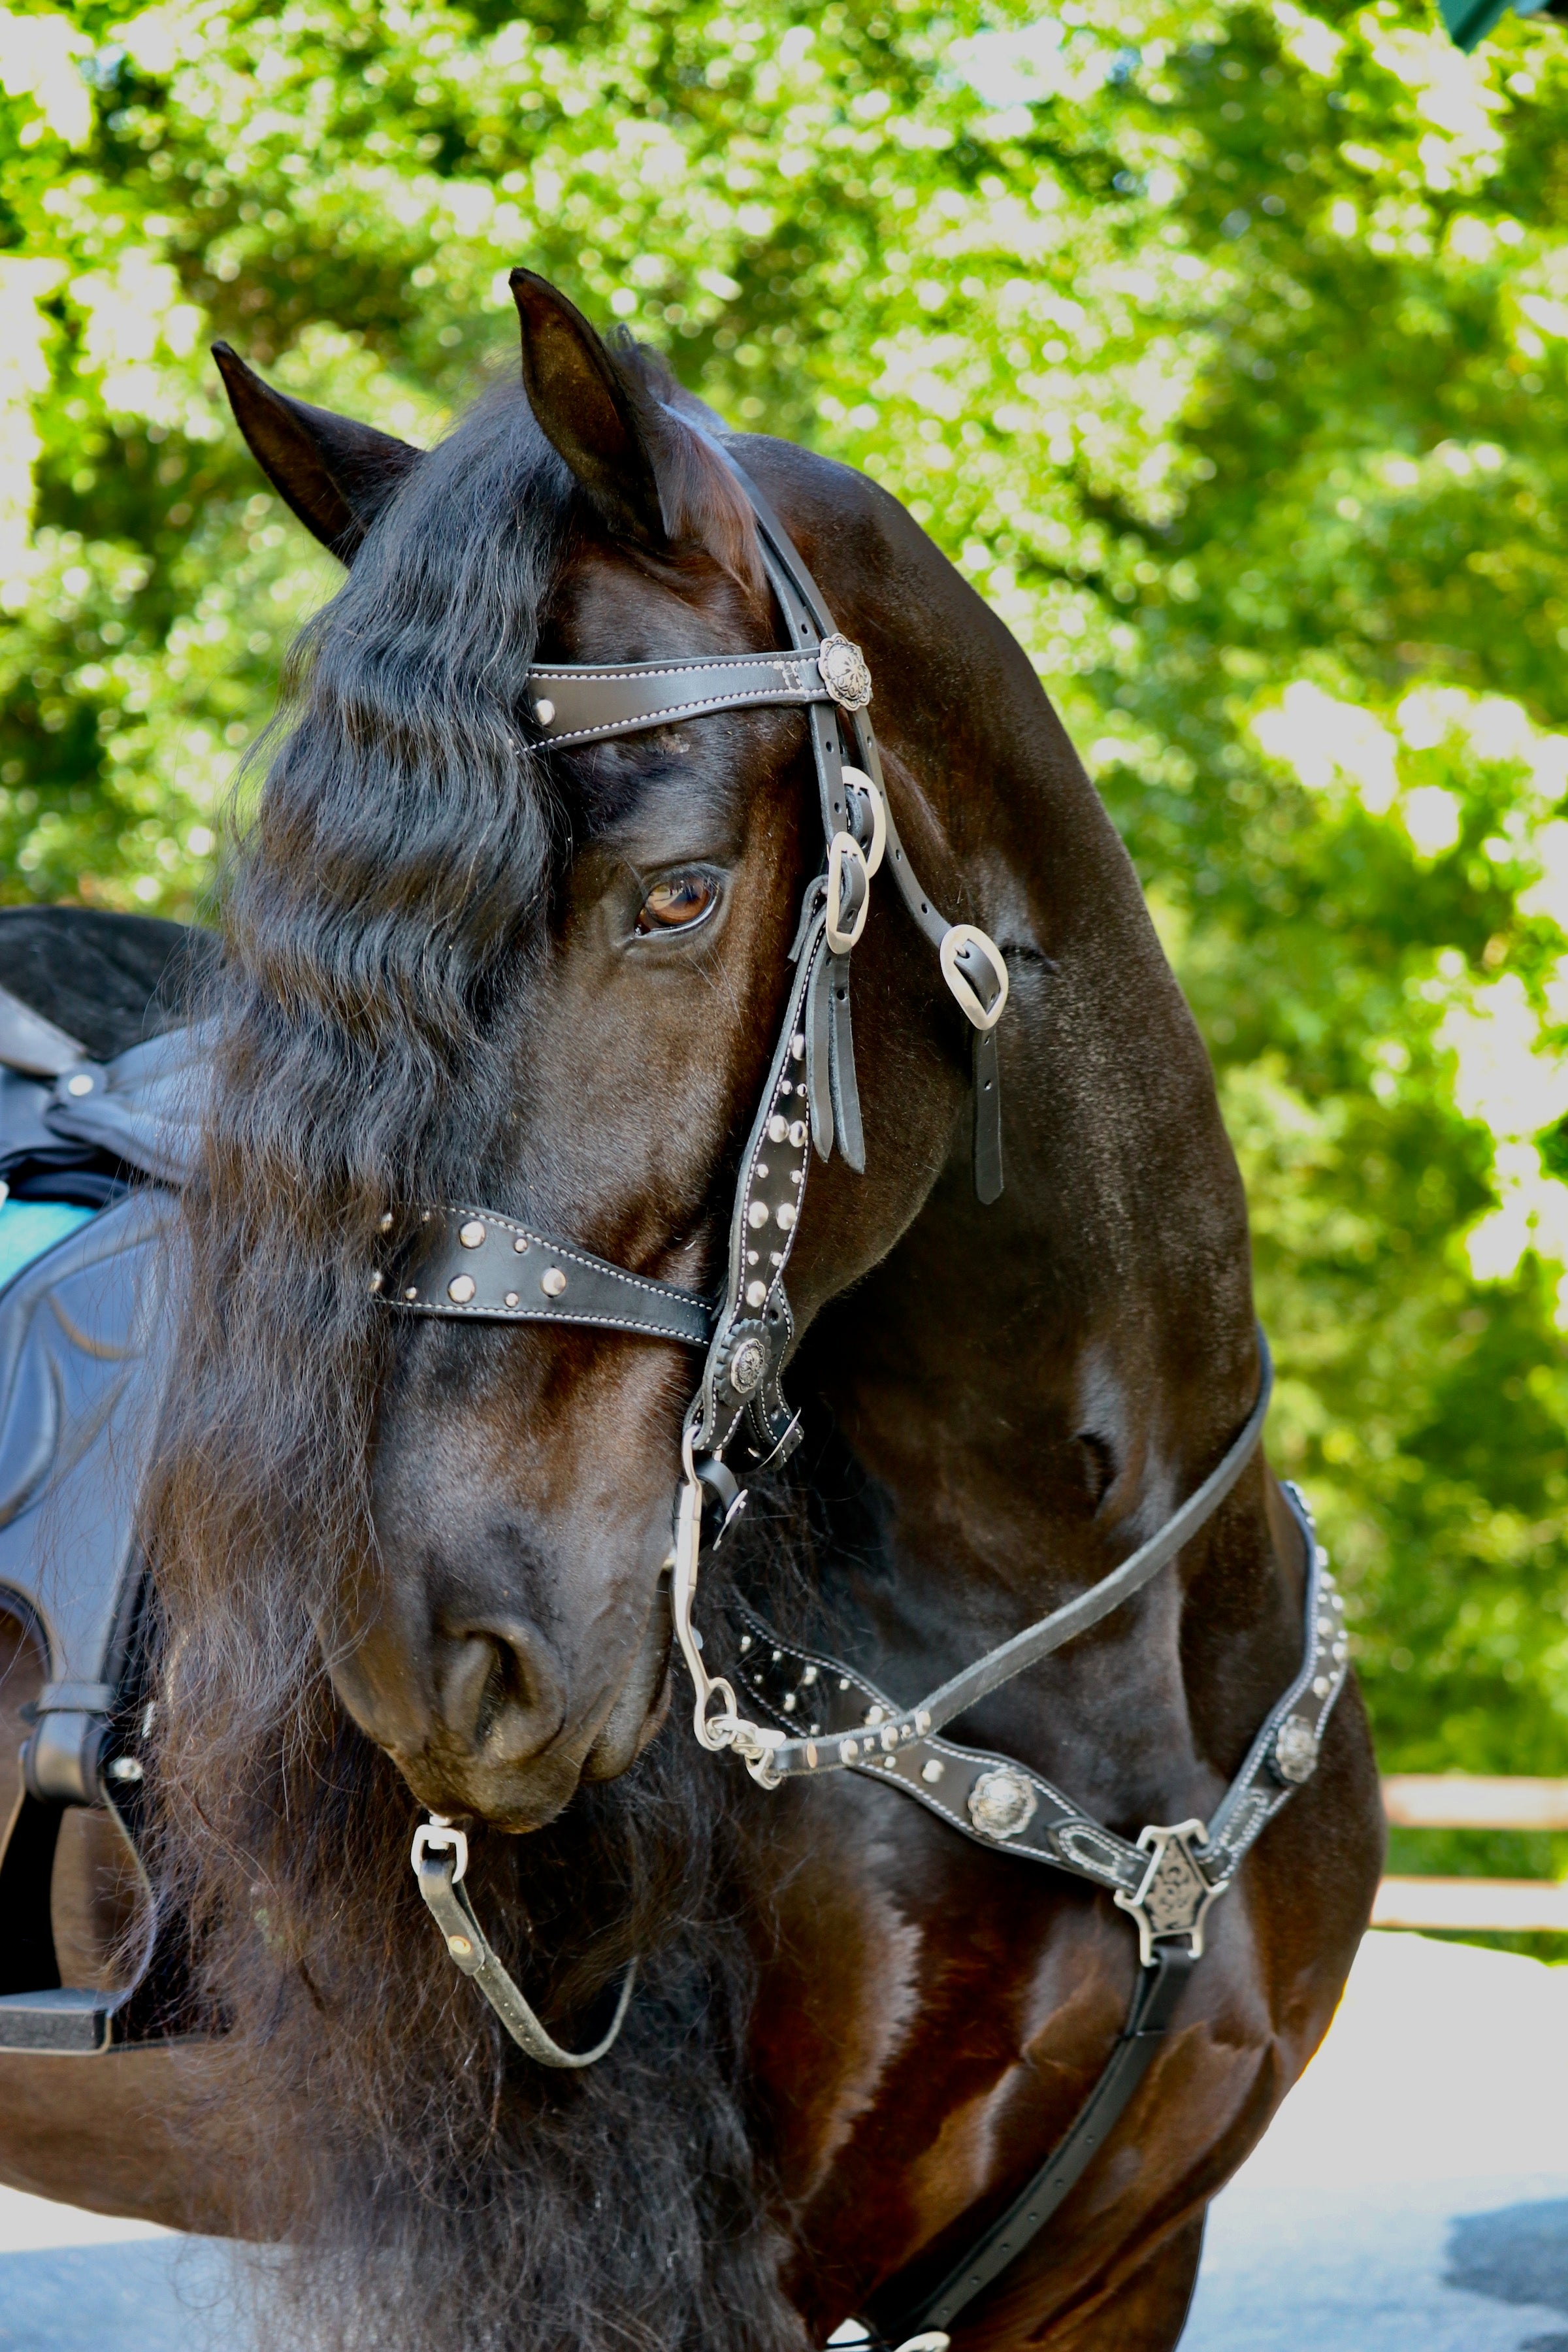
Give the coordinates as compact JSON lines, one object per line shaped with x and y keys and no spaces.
{"x":588,"y":702}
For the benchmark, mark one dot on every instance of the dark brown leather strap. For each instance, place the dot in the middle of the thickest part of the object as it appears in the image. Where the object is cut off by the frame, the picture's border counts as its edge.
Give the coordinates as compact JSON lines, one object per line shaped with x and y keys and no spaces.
{"x":986,"y":1079}
{"x":1154,"y":1998}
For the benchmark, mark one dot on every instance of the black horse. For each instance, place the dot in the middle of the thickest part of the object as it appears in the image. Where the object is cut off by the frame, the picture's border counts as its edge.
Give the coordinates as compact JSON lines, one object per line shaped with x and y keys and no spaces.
{"x":409,"y":1559}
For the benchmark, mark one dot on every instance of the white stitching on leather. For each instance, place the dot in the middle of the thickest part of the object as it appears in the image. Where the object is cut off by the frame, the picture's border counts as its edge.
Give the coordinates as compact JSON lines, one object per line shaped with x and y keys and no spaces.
{"x":776,"y":696}
{"x":572,"y":1257}
{"x":595,"y":673}
{"x":532,"y":1315}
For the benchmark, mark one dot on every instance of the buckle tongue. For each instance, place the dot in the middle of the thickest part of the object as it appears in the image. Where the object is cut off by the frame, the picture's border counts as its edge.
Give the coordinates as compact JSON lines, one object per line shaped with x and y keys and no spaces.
{"x":1173,"y":1896}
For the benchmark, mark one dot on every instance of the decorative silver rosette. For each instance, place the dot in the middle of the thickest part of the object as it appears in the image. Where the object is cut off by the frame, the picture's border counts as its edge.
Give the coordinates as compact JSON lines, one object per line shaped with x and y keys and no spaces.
{"x":844,"y":673}
{"x":1001,"y":1803}
{"x":747,"y":1365}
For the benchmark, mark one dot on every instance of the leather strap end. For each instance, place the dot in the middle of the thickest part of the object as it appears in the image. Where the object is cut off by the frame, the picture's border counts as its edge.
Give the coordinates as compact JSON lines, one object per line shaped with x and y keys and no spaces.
{"x":844,"y":1086}
{"x":987,"y":1080}
{"x":819,"y":1056}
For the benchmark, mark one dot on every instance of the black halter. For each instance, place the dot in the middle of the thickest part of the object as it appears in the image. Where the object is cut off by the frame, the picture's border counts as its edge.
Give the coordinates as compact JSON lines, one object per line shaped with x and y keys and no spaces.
{"x":825,"y":1717}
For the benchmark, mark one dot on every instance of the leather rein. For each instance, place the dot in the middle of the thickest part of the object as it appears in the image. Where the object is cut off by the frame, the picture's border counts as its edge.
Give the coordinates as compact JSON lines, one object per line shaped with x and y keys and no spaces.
{"x":813,"y":1714}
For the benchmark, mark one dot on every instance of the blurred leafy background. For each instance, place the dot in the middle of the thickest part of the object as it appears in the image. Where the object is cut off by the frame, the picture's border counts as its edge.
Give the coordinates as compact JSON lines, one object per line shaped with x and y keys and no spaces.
{"x":1224,"y":346}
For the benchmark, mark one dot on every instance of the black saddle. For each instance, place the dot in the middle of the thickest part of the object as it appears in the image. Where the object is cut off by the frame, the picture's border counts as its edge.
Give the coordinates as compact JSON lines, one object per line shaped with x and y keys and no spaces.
{"x":86,"y":1338}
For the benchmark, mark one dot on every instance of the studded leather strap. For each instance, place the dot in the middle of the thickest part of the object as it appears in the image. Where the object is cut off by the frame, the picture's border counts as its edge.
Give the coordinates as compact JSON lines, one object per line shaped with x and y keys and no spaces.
{"x":472,"y":1263}
{"x":838,"y":1719}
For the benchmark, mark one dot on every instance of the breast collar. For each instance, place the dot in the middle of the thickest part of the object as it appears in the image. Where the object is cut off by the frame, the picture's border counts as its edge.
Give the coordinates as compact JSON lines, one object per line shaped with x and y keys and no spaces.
{"x":818,"y":1715}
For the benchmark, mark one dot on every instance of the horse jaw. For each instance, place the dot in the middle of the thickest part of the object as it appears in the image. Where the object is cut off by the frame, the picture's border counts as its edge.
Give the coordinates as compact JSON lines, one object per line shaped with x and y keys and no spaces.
{"x":640,"y":1712}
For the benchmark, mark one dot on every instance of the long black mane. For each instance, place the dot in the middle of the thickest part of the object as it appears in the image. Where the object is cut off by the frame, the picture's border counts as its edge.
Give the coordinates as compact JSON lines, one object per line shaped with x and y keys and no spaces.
{"x":381,"y":911}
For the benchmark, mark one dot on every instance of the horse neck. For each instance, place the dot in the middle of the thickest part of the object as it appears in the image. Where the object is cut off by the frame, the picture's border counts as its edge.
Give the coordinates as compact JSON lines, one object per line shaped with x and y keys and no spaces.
{"x":1095,"y":1324}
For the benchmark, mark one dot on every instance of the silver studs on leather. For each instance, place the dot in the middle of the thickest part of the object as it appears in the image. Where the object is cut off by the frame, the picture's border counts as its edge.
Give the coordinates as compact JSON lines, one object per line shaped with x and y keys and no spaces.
{"x":1296,"y":1750}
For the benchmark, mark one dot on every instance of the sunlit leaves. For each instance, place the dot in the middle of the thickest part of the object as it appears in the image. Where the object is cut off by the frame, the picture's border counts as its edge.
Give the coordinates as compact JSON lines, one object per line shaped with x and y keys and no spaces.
{"x":1227,"y":353}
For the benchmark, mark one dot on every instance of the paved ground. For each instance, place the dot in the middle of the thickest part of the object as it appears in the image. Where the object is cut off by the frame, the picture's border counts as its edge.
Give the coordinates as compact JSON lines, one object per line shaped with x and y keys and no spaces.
{"x":1411,"y":2197}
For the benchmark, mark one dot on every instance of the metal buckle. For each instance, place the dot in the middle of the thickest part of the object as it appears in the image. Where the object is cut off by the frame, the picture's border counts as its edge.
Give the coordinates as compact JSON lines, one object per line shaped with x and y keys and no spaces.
{"x":849,"y":880}
{"x":860,"y":784}
{"x":1174,"y":1896}
{"x":438,"y":1835}
{"x":966,"y":934}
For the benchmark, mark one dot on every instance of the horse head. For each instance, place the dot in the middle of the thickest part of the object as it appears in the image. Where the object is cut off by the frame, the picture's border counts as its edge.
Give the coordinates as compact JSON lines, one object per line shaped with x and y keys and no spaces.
{"x":549,"y":980}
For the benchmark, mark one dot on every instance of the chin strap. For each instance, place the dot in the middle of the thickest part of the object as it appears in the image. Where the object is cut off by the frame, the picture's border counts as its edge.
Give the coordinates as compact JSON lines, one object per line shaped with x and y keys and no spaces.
{"x":440,"y":1859}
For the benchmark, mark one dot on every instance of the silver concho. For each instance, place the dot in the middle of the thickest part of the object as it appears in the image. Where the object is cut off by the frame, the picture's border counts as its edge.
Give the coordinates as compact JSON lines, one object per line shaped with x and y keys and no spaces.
{"x":747,"y":1366}
{"x":1295,"y":1751}
{"x":844,"y":673}
{"x":1001,"y":1804}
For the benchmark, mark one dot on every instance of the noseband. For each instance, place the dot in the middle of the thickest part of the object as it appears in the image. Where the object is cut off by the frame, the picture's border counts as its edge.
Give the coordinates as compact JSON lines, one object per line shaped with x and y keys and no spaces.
{"x":823,"y":1716}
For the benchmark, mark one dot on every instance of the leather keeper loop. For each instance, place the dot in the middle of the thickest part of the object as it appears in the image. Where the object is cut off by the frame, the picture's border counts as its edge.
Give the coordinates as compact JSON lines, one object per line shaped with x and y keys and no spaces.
{"x":841,"y":1066}
{"x":987,"y":1140}
{"x":849,"y":892}
{"x":867,"y":815}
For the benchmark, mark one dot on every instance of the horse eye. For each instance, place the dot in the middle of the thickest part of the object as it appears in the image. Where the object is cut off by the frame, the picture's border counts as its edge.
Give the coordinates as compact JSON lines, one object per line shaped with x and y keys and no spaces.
{"x":677,"y":904}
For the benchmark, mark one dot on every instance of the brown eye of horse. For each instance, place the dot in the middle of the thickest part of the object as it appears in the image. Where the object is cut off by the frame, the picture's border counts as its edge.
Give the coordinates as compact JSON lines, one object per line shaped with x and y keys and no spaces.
{"x":677,"y":904}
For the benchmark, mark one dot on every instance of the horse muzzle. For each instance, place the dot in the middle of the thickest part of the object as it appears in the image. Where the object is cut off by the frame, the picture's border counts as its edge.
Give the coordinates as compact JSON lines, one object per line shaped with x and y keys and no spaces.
{"x":486,"y":1720}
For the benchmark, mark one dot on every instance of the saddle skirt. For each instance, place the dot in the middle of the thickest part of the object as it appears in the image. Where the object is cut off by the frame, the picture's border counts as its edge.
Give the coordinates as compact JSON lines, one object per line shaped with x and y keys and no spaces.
{"x":92,"y":1160}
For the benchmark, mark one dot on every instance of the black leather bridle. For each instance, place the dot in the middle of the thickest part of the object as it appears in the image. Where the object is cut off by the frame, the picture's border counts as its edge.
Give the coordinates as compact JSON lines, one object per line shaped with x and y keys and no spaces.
{"x":823,"y":1716}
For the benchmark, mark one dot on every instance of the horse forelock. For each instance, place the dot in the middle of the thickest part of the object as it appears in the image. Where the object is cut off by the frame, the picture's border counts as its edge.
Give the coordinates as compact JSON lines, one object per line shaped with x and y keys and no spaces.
{"x":440,"y":2189}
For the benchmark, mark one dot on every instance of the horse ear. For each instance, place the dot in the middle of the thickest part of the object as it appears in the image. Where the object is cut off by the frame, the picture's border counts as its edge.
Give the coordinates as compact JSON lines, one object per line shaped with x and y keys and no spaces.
{"x":585,"y":410}
{"x":336,"y":475}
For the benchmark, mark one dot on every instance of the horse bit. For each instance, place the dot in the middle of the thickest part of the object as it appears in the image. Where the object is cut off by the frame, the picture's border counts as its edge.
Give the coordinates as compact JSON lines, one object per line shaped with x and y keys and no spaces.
{"x":825,"y":1717}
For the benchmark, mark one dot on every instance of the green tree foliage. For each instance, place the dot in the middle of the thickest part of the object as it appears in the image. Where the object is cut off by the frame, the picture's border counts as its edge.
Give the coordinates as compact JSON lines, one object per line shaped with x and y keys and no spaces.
{"x":1225,"y":349}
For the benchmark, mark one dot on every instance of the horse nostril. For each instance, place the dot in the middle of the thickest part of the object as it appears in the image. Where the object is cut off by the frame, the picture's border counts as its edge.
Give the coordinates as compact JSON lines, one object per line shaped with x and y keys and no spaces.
{"x":499,"y":1690}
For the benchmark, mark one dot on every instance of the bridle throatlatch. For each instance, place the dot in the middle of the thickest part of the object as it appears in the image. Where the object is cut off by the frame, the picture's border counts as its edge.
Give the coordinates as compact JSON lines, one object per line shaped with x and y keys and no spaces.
{"x":813,"y":1714}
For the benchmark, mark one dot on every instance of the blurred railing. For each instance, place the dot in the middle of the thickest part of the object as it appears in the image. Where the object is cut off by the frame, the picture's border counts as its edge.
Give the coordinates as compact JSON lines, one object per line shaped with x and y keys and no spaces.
{"x":1451,"y":1801}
